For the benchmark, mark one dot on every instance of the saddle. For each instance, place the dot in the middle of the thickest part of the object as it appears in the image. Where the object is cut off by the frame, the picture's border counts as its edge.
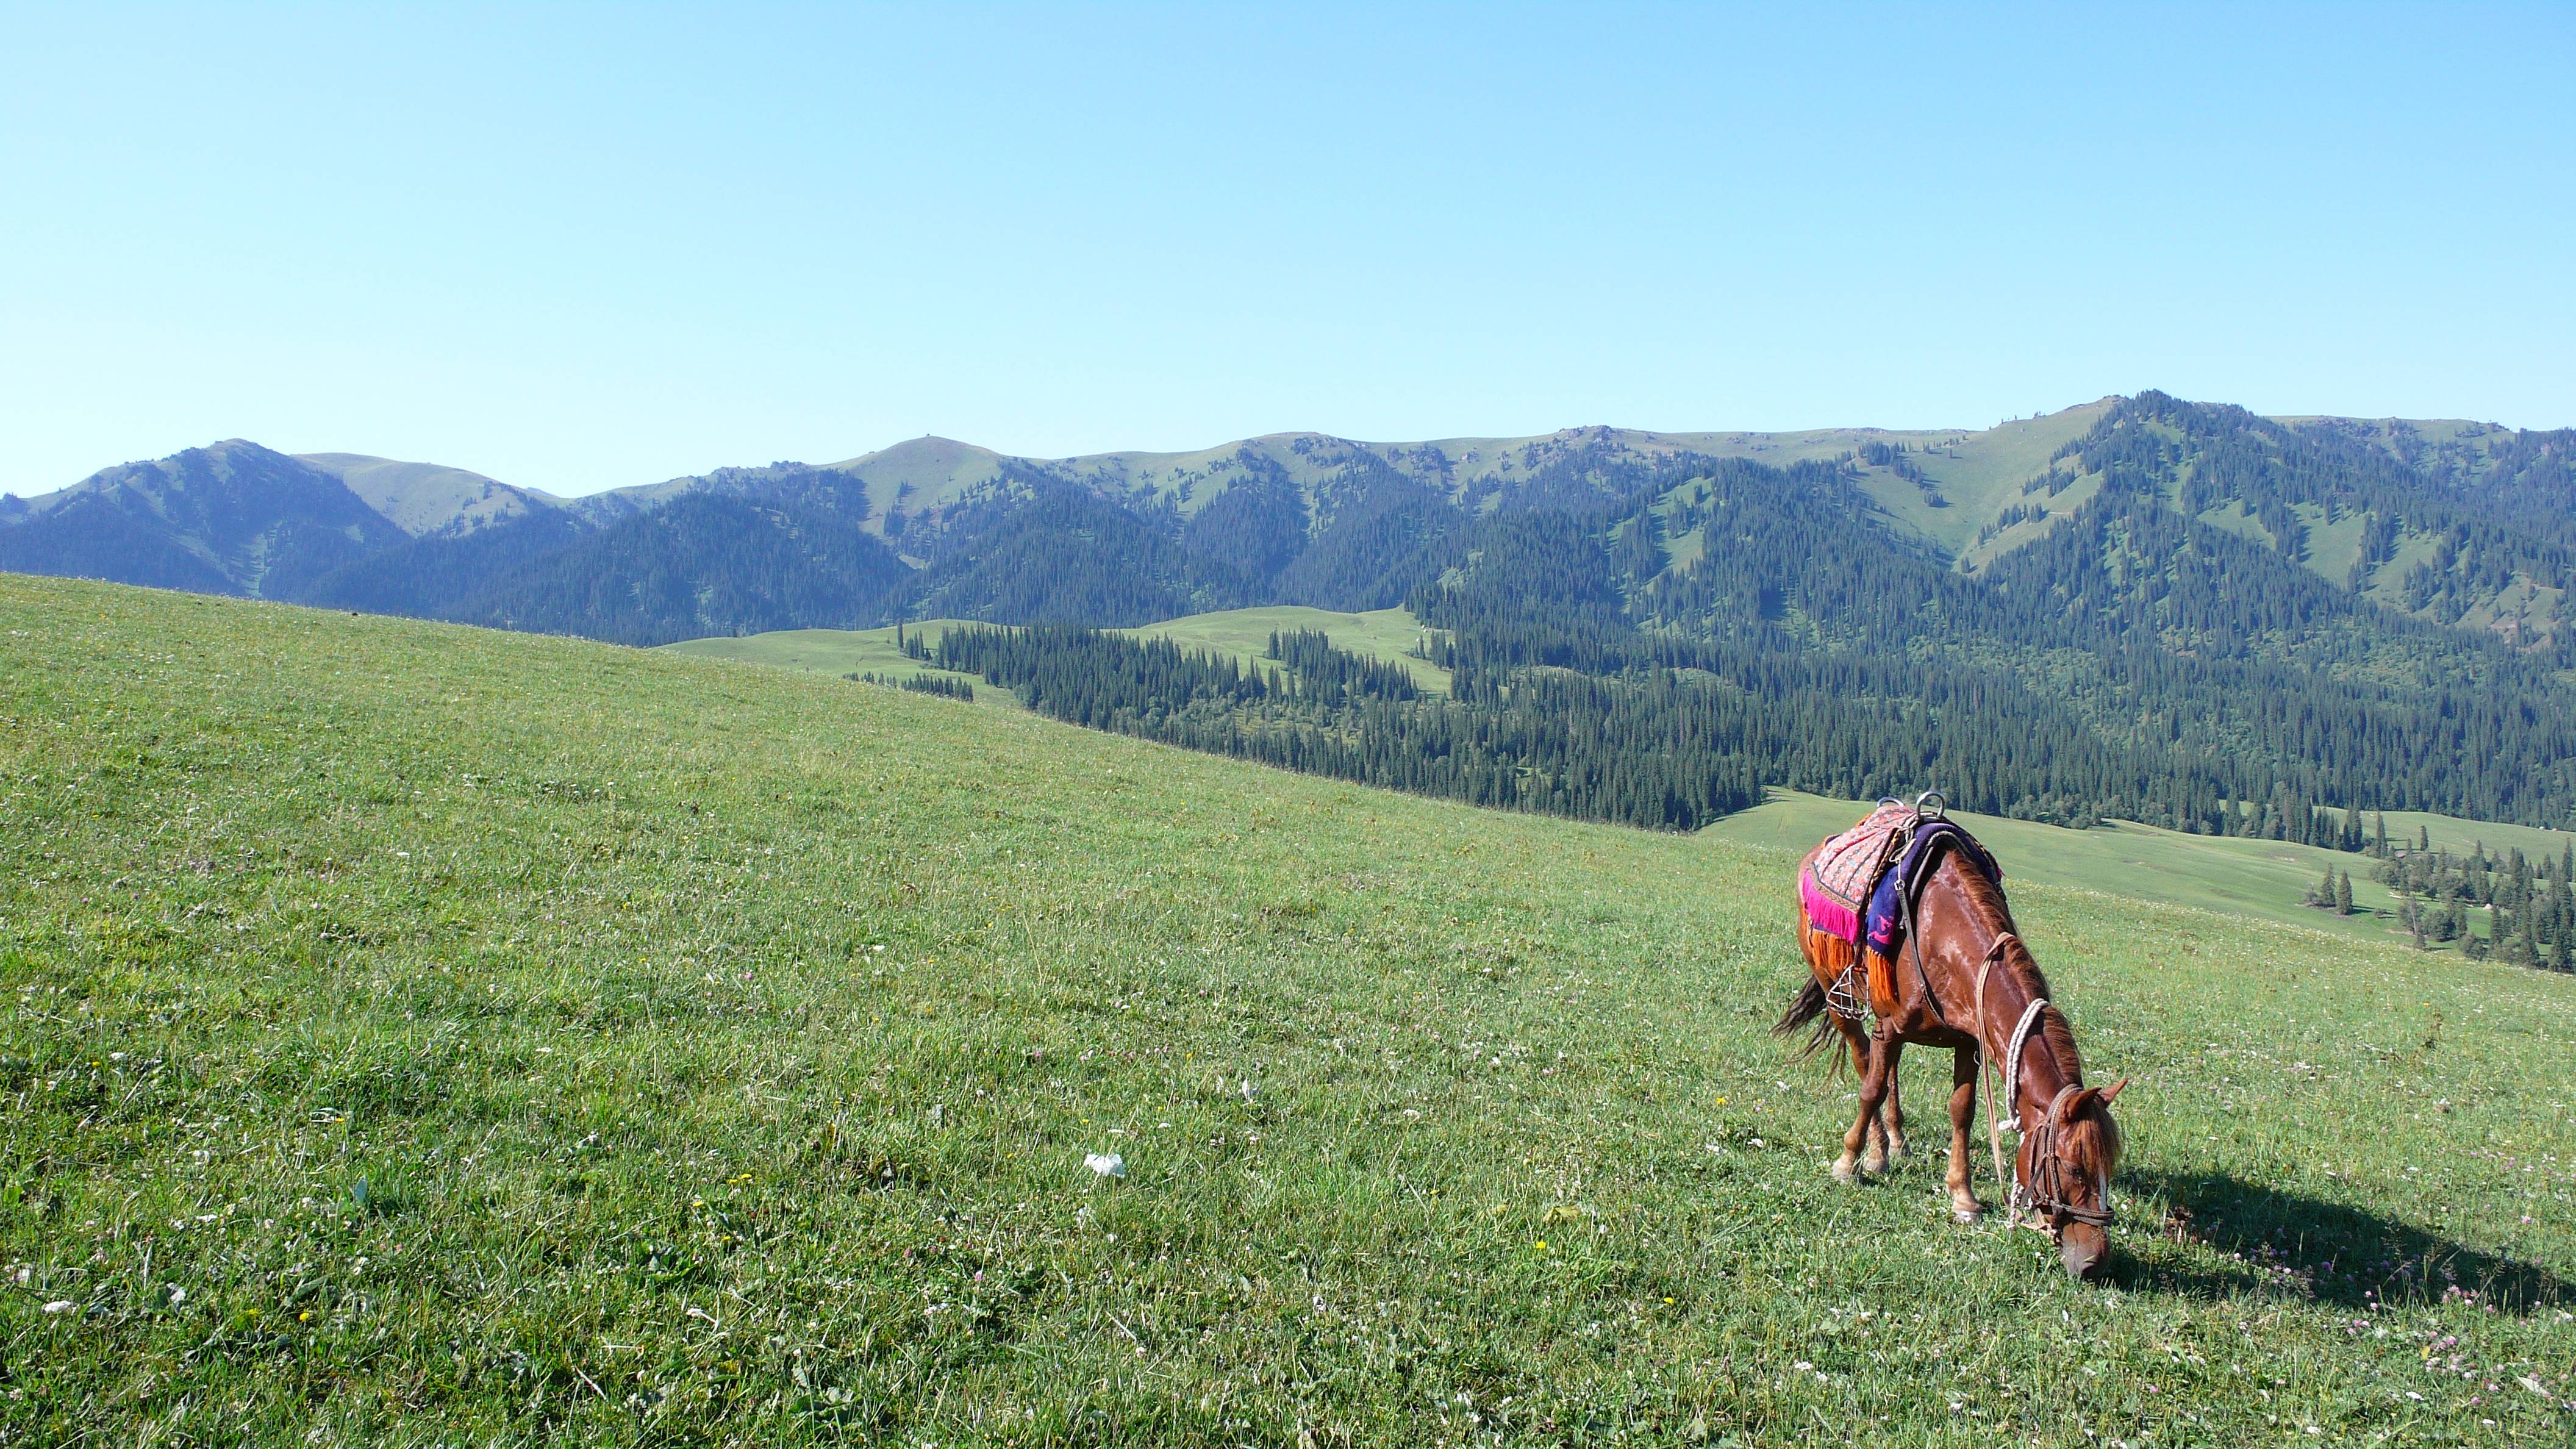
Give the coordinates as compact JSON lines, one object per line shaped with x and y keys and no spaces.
{"x":1860,"y":886}
{"x":1883,"y":924}
{"x":1838,"y":883}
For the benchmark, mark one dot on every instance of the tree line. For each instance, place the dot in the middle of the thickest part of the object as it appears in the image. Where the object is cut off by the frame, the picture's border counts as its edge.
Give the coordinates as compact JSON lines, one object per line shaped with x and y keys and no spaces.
{"x":1634,"y":752}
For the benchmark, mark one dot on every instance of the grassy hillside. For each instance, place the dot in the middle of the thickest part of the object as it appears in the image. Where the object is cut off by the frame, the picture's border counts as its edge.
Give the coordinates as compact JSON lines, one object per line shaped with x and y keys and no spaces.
{"x":1977,"y":475}
{"x":1243,"y":633}
{"x":424,"y":1035}
{"x":2263,"y":879}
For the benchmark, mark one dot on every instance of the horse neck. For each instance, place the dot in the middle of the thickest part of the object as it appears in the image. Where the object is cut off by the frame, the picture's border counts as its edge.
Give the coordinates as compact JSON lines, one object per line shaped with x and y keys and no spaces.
{"x":1969,"y":922}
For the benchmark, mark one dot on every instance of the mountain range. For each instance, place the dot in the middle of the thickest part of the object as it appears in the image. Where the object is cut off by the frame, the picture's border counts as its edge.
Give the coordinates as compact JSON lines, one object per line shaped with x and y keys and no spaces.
{"x":2449,"y":520}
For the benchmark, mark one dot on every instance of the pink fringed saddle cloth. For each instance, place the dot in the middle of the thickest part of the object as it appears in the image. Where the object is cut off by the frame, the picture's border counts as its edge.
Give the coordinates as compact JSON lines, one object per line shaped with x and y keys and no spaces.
{"x":1847,"y":867}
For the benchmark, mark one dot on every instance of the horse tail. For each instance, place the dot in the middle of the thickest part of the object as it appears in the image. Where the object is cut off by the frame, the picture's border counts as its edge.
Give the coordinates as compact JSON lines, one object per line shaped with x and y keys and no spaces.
{"x":1808,"y":1009}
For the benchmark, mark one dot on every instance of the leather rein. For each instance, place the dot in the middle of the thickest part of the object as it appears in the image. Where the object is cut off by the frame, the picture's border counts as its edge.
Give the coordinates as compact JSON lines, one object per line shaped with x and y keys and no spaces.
{"x":2045,"y":1194}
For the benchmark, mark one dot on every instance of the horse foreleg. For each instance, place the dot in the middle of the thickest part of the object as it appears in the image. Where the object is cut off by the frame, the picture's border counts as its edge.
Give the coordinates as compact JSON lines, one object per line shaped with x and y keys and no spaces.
{"x":1892,"y":1116}
{"x":1864,"y":1131}
{"x":1963,"y":1115}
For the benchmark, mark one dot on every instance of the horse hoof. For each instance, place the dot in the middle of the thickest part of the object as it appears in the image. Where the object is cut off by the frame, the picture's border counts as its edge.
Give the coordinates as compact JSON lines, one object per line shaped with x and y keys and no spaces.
{"x":1843,"y":1174}
{"x":1899,"y":1157}
{"x":1967,"y":1217}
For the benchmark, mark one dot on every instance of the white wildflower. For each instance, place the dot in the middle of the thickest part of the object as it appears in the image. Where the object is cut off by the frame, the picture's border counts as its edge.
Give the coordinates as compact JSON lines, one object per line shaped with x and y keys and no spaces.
{"x":1105,"y":1164}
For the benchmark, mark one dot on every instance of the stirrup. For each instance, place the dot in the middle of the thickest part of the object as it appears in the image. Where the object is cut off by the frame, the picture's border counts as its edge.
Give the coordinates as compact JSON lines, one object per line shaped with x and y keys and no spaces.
{"x":1843,"y":999}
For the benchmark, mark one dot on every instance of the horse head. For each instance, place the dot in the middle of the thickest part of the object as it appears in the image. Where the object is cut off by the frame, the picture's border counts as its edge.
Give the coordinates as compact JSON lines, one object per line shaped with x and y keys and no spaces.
{"x":2068,"y":1174}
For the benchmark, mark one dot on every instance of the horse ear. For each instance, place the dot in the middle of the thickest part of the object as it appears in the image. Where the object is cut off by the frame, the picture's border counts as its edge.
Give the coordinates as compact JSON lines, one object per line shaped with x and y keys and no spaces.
{"x":2112,"y":1091}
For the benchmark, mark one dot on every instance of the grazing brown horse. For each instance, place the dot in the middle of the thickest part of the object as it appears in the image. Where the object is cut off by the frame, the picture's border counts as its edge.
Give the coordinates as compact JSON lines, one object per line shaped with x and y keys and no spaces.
{"x":1964,"y":980}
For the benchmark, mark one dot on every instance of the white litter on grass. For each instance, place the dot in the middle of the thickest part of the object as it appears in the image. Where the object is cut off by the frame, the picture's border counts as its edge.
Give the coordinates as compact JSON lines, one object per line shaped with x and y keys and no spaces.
{"x":59,"y":1305}
{"x":1247,"y":1089}
{"x":1105,"y":1164}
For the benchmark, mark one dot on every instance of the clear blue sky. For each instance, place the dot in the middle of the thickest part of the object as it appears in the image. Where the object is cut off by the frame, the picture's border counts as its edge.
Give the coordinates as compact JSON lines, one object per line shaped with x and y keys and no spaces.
{"x":578,"y":248}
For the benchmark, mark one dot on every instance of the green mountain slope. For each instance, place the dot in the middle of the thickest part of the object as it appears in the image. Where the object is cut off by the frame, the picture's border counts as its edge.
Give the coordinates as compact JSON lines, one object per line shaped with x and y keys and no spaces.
{"x":1974,"y":469}
{"x":428,"y":1033}
{"x":429,"y":498}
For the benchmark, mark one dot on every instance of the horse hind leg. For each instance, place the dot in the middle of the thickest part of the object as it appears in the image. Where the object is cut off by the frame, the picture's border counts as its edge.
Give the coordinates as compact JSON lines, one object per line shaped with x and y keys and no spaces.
{"x":1865,"y":1131}
{"x":1891,"y":1116}
{"x":1877,"y":1091}
{"x":1963,"y":1116}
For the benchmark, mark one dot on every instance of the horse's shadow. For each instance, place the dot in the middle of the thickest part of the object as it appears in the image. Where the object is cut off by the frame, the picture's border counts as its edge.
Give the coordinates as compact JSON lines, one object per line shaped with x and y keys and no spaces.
{"x":2334,"y":1252}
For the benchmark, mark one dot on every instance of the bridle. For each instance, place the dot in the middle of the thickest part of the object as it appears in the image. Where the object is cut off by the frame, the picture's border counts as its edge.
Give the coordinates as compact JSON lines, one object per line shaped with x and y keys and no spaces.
{"x":2045,"y":1194}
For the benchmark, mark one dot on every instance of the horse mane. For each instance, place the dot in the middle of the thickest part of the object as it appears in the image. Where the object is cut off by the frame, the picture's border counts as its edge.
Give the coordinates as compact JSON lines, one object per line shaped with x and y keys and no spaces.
{"x":1986,"y":896}
{"x":2090,"y":1137}
{"x":2092,"y":1140}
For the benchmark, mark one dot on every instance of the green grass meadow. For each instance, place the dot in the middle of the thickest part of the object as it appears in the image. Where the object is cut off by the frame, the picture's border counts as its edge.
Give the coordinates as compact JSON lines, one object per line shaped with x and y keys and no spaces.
{"x":421,"y":1035}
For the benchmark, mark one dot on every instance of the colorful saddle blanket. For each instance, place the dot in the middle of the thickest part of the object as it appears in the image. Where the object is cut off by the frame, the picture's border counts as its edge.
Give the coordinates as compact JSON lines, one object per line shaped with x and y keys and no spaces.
{"x":1847,"y":869}
{"x":1885,"y":917}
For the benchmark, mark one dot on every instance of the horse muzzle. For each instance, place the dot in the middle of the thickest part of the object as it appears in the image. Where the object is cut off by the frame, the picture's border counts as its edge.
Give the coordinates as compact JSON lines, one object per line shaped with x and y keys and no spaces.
{"x":2085,"y":1249}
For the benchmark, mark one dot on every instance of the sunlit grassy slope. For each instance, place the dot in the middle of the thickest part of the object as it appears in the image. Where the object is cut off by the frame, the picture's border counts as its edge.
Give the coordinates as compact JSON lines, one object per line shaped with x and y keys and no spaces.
{"x":1245,"y":633}
{"x":840,"y":652}
{"x":1242,"y":633}
{"x":2266,"y":879}
{"x":421,"y":1035}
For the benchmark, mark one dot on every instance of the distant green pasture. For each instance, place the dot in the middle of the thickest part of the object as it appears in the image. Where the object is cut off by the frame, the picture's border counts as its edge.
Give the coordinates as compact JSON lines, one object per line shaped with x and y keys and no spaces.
{"x":2264,"y":879}
{"x":1243,"y":633}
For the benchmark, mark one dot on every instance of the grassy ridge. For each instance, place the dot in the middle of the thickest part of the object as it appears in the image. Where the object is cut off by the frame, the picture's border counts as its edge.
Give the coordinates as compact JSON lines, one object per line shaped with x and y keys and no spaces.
{"x":422,"y":1034}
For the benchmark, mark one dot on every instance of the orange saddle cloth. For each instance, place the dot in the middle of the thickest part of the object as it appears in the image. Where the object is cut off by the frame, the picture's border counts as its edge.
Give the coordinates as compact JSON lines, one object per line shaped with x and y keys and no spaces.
{"x":1878,"y":974}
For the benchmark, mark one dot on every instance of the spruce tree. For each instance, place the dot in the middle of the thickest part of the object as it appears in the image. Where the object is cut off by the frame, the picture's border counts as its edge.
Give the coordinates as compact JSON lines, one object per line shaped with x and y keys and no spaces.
{"x":2322,"y":893}
{"x":2379,"y":834}
{"x":2343,"y":894}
